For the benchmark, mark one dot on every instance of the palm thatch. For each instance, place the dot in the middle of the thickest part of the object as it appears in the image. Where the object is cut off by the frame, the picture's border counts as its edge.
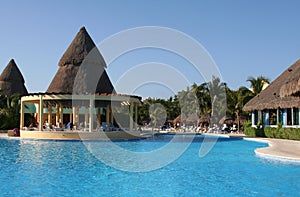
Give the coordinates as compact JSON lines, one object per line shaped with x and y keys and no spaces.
{"x":177,"y":120}
{"x":241,"y":120}
{"x":291,"y":87}
{"x":81,"y":69}
{"x":12,"y":81}
{"x":204,"y":118}
{"x":193,"y":118}
{"x":283,"y":92}
{"x":226,"y":119}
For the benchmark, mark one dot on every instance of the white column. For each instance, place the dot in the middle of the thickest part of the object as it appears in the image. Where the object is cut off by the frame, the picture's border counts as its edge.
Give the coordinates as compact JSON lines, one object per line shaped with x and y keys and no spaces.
{"x":50,"y":115}
{"x":91,"y":118}
{"x":74,"y":113}
{"x":61,"y":114}
{"x":284,"y":117}
{"x":57,"y":114}
{"x":260,"y":116}
{"x":22,"y":115}
{"x":41,"y":114}
{"x":131,"y":117}
{"x":267,"y":118}
{"x":253,"y":118}
{"x":86,"y":117}
{"x":136,"y":116}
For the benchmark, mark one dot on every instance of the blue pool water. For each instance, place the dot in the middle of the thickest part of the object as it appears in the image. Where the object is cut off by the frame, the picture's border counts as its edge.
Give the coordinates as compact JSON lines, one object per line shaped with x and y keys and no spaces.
{"x":63,"y":168}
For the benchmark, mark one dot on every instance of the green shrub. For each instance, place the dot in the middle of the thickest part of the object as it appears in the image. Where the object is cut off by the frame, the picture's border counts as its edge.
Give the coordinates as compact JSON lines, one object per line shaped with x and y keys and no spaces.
{"x":278,"y":132}
{"x":259,"y":132}
{"x":250,"y":131}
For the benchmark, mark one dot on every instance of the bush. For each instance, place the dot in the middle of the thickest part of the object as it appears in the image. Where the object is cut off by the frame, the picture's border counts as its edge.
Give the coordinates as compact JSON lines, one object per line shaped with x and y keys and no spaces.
{"x":260,"y":132}
{"x":254,"y":132}
{"x":250,"y":131}
{"x":278,"y":132}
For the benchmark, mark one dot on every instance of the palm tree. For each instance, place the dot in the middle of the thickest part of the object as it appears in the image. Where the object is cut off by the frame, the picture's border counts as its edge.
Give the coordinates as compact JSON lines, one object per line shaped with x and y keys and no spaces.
{"x":218,"y":97}
{"x":10,"y":113}
{"x":258,"y":83}
{"x":242,"y":96}
{"x":157,"y":114}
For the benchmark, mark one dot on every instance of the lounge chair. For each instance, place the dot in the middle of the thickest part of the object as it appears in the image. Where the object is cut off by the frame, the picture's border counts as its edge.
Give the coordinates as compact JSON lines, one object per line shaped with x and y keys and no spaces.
{"x":105,"y":126}
{"x":233,"y":129}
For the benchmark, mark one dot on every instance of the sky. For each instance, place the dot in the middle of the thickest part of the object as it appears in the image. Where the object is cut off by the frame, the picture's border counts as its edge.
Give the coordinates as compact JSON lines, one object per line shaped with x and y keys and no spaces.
{"x":244,"y":38}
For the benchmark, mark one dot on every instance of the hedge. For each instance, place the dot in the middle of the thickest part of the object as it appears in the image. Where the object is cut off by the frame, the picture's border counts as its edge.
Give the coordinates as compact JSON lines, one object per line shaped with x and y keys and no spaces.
{"x":271,"y":132}
{"x":254,"y":132}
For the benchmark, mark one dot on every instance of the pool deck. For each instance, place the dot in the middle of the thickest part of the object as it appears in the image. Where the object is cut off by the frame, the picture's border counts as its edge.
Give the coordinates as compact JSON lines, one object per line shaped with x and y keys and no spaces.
{"x":278,"y":148}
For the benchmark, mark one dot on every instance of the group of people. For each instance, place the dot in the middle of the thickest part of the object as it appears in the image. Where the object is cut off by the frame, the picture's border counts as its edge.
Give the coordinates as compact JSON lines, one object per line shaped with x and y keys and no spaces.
{"x":204,"y":128}
{"x":58,"y":127}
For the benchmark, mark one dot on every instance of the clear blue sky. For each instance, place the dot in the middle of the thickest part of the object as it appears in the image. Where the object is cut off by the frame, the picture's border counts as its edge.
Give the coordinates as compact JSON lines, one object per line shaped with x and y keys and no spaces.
{"x":245,"y":38}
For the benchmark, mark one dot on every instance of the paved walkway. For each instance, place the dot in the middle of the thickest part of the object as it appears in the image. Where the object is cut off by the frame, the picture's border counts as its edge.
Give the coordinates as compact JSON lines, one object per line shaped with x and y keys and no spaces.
{"x":279,"y":148}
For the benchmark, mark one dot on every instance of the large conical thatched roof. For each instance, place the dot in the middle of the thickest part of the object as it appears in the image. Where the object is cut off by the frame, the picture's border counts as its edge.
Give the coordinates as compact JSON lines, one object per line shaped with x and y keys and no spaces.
{"x":280,"y":93}
{"x":12,"y":81}
{"x":78,"y":58}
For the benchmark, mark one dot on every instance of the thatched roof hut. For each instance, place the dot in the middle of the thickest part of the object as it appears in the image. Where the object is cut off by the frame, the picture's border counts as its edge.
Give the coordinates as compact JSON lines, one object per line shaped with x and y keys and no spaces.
{"x":226,"y":119}
{"x":205,"y":118}
{"x":72,"y":74}
{"x":292,"y":83}
{"x":12,"y":81}
{"x":283,"y":92}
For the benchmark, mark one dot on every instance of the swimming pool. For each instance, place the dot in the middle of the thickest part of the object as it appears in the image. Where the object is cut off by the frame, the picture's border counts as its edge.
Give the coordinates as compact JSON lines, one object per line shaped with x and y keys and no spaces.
{"x":66,"y":168}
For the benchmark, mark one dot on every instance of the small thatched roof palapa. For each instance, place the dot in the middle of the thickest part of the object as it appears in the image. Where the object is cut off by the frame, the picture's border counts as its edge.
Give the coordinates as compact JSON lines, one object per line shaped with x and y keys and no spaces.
{"x":12,"y":81}
{"x":71,"y":63}
{"x":281,"y":93}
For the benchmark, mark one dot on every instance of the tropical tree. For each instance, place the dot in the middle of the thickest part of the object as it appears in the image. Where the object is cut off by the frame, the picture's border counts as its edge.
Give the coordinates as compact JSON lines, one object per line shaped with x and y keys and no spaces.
{"x":257,"y":84}
{"x":218,"y":98}
{"x":242,"y":96}
{"x":158,"y":115}
{"x":10,"y":111}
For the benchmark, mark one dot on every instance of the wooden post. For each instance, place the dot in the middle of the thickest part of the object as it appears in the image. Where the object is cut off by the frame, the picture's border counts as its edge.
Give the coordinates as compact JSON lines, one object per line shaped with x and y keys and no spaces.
{"x":107,"y":114}
{"x":99,"y":115}
{"x":111,"y":114}
{"x":277,"y":116}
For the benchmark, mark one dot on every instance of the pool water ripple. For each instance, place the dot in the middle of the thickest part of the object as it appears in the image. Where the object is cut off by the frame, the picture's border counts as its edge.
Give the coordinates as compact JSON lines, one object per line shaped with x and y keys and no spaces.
{"x":54,"y":168}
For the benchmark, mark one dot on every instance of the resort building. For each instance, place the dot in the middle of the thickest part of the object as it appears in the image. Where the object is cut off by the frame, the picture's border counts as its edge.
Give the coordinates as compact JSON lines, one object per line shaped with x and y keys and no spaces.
{"x":279,"y":102}
{"x":81,"y":97}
